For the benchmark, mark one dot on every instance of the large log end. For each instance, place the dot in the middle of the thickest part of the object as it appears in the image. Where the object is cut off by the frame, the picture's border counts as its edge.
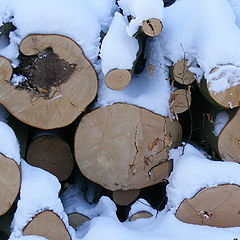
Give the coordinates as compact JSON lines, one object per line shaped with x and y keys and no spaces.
{"x":10,"y":181}
{"x":214,"y":206}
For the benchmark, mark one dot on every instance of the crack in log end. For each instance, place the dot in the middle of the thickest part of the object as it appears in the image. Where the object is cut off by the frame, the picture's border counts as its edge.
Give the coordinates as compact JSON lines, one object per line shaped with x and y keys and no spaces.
{"x":43,"y":73}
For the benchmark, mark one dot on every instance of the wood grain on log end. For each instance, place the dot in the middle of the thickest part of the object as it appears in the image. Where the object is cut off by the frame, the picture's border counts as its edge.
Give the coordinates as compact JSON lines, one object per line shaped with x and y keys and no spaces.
{"x":124,"y":198}
{"x":51,"y":103}
{"x":180,"y":101}
{"x":6,"y":69}
{"x":152,"y":27}
{"x":213,"y":206}
{"x":140,"y":215}
{"x":76,"y":219}
{"x":47,"y":224}
{"x":10,"y":181}
{"x":229,"y":140}
{"x":51,"y":154}
{"x":118,"y":79}
{"x":229,"y":98}
{"x":124,"y":147}
{"x":181,"y":74}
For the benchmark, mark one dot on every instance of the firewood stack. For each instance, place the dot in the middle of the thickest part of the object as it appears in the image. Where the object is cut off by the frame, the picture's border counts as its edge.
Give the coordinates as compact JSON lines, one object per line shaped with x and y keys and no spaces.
{"x":121,"y":147}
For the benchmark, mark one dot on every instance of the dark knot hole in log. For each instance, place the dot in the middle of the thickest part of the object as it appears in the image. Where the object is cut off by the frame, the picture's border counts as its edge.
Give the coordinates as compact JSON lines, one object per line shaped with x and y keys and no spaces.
{"x":43,"y":73}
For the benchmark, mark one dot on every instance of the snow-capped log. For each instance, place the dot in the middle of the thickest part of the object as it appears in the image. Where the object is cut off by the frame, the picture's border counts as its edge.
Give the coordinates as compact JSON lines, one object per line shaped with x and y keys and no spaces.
{"x":213,"y":206}
{"x":124,"y":198}
{"x":145,"y":16}
{"x":222,"y":132}
{"x":57,"y":81}
{"x":133,"y":153}
{"x":139,"y":215}
{"x":9,"y":184}
{"x":50,"y":152}
{"x":77,"y":219}
{"x":180,"y":101}
{"x":47,"y":224}
{"x":118,"y":63}
{"x":181,"y":74}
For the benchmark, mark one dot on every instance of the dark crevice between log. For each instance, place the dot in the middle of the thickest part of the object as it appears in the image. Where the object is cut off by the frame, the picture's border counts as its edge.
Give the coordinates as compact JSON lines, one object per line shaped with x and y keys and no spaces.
{"x":43,"y":73}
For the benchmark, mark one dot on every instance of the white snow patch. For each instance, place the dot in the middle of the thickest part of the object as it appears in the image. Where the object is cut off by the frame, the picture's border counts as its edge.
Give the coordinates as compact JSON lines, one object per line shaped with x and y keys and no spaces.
{"x":9,"y":145}
{"x":141,"y":10}
{"x":118,"y":50}
{"x":220,"y":121}
{"x":193,"y":171}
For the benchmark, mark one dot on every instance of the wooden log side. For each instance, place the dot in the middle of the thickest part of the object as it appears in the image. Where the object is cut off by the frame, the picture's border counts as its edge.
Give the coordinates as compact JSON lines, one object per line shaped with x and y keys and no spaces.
{"x":49,"y":225}
{"x":124,"y":198}
{"x":64,"y":102}
{"x":213,"y":206}
{"x":10,"y":181}
{"x":140,"y":215}
{"x":124,"y":147}
{"x":52,"y":154}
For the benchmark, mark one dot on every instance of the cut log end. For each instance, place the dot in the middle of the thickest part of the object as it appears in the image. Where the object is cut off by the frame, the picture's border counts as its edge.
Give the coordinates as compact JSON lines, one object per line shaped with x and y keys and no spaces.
{"x":77,"y":219}
{"x":47,"y":224}
{"x":6,"y":69}
{"x":152,"y":27}
{"x":140,"y":215}
{"x":118,"y":79}
{"x":230,"y":98}
{"x":133,"y":153}
{"x":181,"y":74}
{"x":229,"y":140}
{"x":66,"y":85}
{"x":51,"y":154}
{"x":10,"y":182}
{"x":180,"y":101}
{"x":124,"y":198}
{"x":214,"y":206}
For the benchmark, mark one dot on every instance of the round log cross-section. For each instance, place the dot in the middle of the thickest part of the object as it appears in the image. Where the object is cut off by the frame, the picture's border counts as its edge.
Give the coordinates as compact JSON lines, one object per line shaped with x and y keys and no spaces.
{"x":52,"y":154}
{"x":214,"y":206}
{"x":180,"y":101}
{"x":124,"y":198}
{"x":152,"y":27}
{"x":181,"y":73}
{"x":140,"y":215}
{"x":10,"y":180}
{"x":59,"y":83}
{"x":125,"y":147}
{"x":47,"y":224}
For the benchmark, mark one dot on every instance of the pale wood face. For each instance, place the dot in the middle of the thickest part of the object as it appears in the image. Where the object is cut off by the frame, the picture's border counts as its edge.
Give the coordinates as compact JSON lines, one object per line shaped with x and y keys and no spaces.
{"x":215,"y":206}
{"x":10,"y":180}
{"x":152,"y":27}
{"x":118,"y":145}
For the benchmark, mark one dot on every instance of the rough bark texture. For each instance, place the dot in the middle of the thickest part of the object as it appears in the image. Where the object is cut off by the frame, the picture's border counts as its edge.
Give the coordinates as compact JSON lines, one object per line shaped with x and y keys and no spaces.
{"x":47,"y":224}
{"x":124,"y":147}
{"x":48,"y":101}
{"x":10,"y":181}
{"x":52,"y":154}
{"x":215,"y":206}
{"x":125,"y":198}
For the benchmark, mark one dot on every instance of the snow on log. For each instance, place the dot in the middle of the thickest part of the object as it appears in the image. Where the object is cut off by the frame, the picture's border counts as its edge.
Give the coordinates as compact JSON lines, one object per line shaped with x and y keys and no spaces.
{"x":213,"y":206}
{"x":77,"y":219}
{"x":180,"y":101}
{"x":140,"y":215}
{"x":52,"y":154}
{"x":145,"y":16}
{"x":59,"y":82}
{"x":124,"y":147}
{"x":10,"y":180}
{"x":124,"y":198}
{"x":181,"y":73}
{"x":47,"y":224}
{"x":118,"y":64}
